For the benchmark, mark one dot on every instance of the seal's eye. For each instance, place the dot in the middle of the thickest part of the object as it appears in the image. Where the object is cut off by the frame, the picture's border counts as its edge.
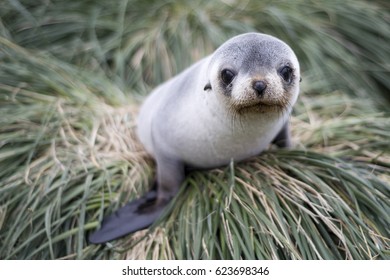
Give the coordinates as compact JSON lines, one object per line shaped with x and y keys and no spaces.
{"x":286,"y":74}
{"x":227,"y":76}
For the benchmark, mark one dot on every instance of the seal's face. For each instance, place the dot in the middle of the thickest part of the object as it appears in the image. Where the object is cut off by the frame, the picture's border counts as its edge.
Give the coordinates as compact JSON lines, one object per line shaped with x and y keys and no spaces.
{"x":255,"y":73}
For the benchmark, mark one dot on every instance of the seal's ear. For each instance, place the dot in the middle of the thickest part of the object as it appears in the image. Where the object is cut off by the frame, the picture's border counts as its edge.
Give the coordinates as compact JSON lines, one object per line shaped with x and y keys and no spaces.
{"x":207,"y":86}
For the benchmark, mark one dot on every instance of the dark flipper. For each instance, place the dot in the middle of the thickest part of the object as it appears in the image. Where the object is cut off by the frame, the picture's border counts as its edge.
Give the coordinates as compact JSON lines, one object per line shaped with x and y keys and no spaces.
{"x":136,"y":215}
{"x":143,"y":212}
{"x":283,"y":139}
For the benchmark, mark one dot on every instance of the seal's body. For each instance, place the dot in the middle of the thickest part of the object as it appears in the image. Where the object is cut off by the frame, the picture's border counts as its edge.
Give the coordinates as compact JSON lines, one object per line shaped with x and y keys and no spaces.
{"x":200,"y":129}
{"x":229,"y":105}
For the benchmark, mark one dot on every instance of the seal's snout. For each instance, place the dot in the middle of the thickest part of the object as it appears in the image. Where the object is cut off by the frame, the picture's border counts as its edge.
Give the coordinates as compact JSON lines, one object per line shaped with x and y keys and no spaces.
{"x":259,"y":87}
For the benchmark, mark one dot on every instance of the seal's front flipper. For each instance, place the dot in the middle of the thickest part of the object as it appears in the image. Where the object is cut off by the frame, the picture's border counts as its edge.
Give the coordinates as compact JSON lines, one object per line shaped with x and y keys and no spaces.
{"x":136,"y":215}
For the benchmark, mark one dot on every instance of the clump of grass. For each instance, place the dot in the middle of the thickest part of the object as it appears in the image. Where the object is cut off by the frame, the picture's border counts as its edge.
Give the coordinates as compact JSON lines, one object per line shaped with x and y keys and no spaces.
{"x":281,"y":205}
{"x":60,"y":143}
{"x":70,"y":79}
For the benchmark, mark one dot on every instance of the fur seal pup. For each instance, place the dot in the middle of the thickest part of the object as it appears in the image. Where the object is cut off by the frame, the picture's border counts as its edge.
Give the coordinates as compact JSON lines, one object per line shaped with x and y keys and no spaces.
{"x":229,"y":105}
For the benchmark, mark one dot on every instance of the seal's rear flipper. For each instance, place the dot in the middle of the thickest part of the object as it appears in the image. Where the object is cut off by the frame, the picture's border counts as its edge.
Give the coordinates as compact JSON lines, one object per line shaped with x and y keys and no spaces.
{"x":143,"y":212}
{"x":136,"y":215}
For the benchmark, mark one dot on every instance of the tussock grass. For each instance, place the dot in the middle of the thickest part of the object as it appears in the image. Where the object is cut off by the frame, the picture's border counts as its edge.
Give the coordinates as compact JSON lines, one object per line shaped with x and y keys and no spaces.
{"x":71,"y":78}
{"x":284,"y":205}
{"x":59,"y":141}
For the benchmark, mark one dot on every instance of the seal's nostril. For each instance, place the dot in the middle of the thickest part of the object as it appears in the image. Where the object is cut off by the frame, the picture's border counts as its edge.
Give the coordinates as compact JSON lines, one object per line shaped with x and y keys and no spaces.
{"x":259,"y":86}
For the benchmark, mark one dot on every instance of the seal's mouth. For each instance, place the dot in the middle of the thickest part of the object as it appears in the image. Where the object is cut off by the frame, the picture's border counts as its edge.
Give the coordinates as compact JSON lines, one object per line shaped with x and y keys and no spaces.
{"x":262,"y":106}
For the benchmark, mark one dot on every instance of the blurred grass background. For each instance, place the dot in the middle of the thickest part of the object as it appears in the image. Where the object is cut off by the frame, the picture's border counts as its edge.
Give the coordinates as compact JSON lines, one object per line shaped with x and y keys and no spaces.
{"x":72,"y":76}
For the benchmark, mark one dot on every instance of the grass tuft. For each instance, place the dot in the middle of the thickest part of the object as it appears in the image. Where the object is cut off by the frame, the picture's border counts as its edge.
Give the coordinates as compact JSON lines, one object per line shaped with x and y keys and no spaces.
{"x":72,"y":76}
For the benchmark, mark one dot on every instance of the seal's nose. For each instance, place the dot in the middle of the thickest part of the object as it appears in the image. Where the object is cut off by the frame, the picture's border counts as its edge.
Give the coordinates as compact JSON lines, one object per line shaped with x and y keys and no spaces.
{"x":259,"y":87}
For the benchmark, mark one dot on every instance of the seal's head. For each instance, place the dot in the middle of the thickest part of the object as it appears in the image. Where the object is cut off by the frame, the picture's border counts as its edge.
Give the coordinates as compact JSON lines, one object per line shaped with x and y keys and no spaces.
{"x":255,"y":73}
